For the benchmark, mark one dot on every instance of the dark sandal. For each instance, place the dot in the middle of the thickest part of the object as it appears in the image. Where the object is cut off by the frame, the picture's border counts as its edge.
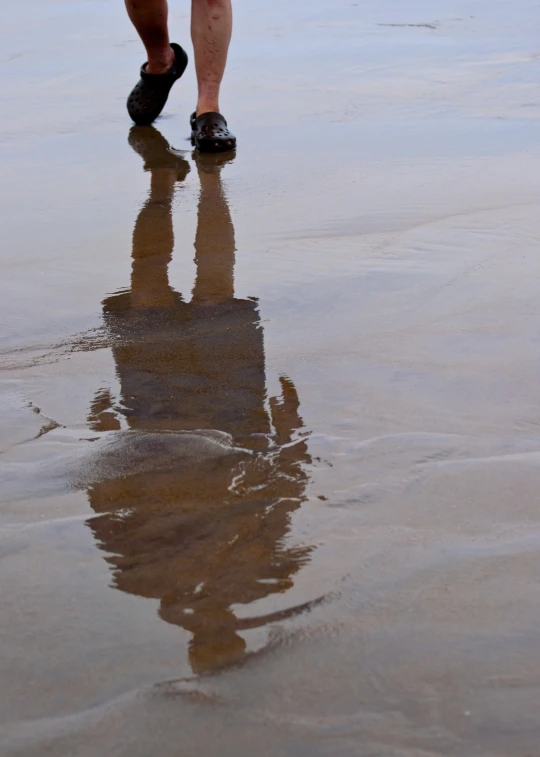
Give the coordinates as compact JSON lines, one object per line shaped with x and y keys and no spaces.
{"x":148,"y":97}
{"x":209,"y":133}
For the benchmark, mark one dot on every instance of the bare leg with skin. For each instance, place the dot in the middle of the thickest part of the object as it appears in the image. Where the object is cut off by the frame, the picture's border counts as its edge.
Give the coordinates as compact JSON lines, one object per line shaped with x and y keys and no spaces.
{"x":149,"y":17}
{"x":211,"y":28}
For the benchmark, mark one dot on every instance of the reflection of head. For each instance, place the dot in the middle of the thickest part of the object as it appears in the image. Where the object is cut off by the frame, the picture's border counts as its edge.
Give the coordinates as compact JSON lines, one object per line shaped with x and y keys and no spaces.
{"x":201,"y":531}
{"x":220,"y":648}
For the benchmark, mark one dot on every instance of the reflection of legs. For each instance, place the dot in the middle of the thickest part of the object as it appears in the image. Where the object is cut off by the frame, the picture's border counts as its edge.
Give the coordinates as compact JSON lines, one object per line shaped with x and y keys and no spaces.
{"x":214,"y":240}
{"x":153,"y":241}
{"x":211,"y":26}
{"x":149,"y":17}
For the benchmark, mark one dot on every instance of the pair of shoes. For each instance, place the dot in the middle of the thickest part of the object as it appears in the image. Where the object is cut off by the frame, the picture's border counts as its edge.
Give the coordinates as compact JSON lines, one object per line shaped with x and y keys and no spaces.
{"x":209,"y":131}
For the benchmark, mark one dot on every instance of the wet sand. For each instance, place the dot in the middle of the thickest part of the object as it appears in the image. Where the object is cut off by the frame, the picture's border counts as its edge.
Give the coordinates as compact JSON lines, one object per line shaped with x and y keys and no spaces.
{"x":269,"y":425}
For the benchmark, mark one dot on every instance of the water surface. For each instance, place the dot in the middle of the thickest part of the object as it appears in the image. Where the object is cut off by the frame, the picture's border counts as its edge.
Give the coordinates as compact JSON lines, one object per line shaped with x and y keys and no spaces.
{"x":269,"y":428}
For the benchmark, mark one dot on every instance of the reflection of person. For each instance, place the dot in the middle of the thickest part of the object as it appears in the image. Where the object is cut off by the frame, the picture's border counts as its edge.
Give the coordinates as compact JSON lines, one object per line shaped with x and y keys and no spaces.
{"x":211,"y":27}
{"x":210,"y":536}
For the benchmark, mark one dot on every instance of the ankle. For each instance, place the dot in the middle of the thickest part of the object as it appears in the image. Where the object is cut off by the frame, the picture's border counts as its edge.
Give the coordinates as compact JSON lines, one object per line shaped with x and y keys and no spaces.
{"x":160,"y":61}
{"x":207,"y":106}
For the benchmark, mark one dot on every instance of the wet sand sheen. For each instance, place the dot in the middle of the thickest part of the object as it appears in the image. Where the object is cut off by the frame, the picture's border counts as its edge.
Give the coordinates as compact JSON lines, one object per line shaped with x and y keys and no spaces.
{"x":269,"y":448}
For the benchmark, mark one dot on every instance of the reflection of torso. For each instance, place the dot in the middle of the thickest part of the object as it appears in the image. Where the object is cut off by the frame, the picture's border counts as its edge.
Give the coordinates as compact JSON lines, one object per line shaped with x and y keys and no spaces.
{"x":190,"y":366}
{"x":205,"y":535}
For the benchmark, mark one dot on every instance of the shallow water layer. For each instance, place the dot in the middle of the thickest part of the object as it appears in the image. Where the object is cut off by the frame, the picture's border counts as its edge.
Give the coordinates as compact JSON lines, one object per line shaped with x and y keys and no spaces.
{"x":269,"y":427}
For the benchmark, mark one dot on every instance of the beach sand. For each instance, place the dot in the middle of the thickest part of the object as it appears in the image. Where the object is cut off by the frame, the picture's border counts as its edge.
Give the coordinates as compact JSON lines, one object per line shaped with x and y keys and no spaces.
{"x":270,"y":423}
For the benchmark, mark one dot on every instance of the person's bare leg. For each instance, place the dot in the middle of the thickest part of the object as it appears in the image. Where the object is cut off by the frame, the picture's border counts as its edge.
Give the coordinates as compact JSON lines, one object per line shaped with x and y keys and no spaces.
{"x":211,"y":28}
{"x":149,"y":17}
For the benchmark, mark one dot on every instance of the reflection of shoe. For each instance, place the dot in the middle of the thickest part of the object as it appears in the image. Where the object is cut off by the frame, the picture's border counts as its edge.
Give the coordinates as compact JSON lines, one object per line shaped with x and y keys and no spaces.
{"x":156,"y":152}
{"x":212,"y":162}
{"x":147,"y":99}
{"x":210,"y":133}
